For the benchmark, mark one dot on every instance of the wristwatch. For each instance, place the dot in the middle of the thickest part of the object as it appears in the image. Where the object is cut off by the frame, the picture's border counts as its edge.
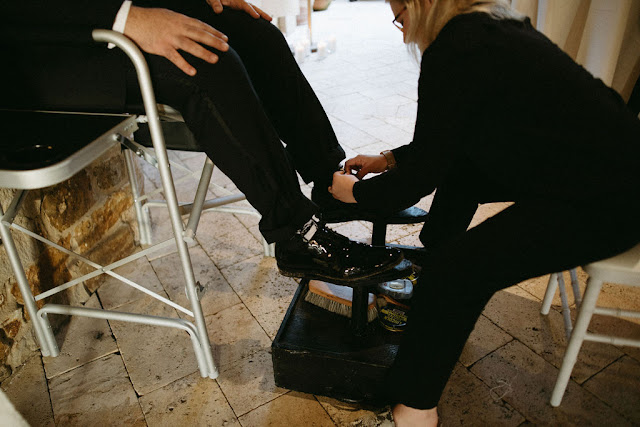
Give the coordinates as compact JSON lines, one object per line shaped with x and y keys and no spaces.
{"x":391,"y":160}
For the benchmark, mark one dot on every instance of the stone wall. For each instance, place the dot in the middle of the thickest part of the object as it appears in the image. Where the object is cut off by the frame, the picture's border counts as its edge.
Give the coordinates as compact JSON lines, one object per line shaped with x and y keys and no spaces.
{"x":91,"y":214}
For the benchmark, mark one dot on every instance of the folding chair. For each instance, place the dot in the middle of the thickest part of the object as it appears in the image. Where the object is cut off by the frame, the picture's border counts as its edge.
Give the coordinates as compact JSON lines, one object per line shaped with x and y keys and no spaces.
{"x":65,"y":144}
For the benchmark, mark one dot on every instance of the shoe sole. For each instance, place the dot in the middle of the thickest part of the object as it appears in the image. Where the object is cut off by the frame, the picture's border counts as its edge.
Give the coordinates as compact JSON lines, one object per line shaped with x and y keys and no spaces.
{"x":393,"y":271}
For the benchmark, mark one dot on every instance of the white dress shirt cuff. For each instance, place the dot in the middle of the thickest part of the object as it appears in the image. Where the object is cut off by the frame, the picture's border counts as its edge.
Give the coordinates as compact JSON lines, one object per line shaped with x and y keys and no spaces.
{"x":121,"y":19}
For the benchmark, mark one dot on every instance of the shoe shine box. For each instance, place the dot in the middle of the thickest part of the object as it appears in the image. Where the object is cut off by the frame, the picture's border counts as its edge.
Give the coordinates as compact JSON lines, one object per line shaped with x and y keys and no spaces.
{"x":315,"y":351}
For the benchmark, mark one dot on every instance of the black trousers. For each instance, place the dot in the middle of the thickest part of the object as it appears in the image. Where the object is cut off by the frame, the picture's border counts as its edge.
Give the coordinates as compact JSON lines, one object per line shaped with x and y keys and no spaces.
{"x":243,"y":108}
{"x":533,"y":237}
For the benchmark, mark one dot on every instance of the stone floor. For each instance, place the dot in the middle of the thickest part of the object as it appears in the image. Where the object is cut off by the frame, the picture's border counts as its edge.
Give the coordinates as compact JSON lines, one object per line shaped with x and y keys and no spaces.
{"x":110,"y":373}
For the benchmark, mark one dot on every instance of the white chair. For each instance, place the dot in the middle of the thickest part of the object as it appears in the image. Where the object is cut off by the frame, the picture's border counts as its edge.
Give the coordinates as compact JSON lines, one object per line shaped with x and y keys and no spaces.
{"x":623,"y":269}
{"x":556,"y":282}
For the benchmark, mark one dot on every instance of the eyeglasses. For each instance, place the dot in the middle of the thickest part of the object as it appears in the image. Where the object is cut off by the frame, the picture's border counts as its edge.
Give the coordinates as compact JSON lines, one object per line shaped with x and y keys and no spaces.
{"x":399,"y":25}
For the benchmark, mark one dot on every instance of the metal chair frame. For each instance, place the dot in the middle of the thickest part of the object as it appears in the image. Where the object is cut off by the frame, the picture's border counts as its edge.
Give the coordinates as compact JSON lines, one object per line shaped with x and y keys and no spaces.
{"x":122,"y":134}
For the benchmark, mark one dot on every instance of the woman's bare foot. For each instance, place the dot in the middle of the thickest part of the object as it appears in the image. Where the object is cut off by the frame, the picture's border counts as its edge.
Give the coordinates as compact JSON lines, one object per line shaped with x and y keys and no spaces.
{"x":404,"y":416}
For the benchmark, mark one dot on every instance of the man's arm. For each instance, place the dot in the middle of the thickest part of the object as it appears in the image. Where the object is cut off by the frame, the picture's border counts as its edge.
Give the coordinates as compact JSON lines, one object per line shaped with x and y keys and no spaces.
{"x":76,"y":13}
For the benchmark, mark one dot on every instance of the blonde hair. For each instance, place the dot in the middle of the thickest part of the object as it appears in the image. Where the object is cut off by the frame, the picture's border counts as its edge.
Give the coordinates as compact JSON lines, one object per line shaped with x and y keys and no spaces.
{"x":426,"y":25}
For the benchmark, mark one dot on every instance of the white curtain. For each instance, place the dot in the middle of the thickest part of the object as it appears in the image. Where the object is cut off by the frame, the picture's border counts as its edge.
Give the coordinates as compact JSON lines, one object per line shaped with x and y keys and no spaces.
{"x":601,"y":35}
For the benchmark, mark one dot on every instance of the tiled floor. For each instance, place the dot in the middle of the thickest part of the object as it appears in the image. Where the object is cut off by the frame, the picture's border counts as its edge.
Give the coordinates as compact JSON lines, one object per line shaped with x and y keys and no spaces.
{"x":123,"y":374}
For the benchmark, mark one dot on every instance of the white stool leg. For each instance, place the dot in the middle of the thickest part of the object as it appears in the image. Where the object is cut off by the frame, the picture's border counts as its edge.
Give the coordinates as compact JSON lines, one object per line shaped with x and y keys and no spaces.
{"x":575,"y":284}
{"x":577,"y":337}
{"x":564,"y":301}
{"x":552,"y":285}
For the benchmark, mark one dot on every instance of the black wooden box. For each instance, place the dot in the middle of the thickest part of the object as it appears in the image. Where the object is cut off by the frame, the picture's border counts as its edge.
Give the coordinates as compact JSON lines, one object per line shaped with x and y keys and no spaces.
{"x":316,"y":352}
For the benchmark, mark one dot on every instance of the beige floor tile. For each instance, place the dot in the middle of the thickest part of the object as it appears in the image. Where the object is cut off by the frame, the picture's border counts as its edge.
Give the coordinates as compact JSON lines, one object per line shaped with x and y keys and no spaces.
{"x":292,"y":409}
{"x":114,"y":293}
{"x":468,"y":401}
{"x":485,"y":338}
{"x":234,"y":335}
{"x":346,"y":414}
{"x":98,"y":393}
{"x":217,"y":295}
{"x":231,"y":248}
{"x":619,"y":386}
{"x":266,"y":293}
{"x":83,"y":340}
{"x":27,"y":390}
{"x":355,"y":230}
{"x":518,"y":313}
{"x":248,"y":383}
{"x":616,"y":327}
{"x":155,"y":356}
{"x":525,"y":380}
{"x":218,"y":224}
{"x":190,"y":401}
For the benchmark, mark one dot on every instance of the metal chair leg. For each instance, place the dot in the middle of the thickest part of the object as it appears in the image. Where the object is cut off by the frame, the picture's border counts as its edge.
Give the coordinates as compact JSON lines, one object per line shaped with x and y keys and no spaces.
{"x":41,"y":326}
{"x":157,"y":136}
{"x":142,"y":213}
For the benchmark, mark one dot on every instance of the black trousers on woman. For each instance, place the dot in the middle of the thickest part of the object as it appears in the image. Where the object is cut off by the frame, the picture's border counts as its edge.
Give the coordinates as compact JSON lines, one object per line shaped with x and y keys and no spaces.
{"x":242,"y":108}
{"x":532,"y":237}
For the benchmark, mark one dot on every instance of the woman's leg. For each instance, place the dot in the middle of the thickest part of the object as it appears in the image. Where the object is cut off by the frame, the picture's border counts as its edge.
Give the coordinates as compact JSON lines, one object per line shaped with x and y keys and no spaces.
{"x":460,"y":278}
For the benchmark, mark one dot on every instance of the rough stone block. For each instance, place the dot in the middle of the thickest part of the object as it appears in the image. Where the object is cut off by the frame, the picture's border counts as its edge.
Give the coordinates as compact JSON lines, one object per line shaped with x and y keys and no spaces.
{"x":67,"y":202}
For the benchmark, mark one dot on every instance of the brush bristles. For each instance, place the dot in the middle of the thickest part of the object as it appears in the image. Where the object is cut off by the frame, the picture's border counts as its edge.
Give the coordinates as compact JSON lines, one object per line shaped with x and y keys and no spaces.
{"x":337,"y":307}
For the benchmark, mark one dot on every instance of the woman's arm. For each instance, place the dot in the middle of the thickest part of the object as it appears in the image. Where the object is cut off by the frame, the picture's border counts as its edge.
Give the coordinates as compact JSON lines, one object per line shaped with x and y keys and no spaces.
{"x":446,"y":110}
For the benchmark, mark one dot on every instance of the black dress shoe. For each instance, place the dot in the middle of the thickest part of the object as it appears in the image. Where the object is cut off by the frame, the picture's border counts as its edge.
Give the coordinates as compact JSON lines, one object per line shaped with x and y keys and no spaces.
{"x":330,"y":256}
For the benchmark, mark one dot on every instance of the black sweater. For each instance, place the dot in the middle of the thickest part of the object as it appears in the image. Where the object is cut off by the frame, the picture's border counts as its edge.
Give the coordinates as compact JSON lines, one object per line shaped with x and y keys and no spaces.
{"x":502,"y":97}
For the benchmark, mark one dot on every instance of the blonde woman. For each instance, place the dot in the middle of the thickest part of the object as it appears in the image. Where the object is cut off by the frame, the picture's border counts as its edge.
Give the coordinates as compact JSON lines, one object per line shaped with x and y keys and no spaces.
{"x":503,"y":115}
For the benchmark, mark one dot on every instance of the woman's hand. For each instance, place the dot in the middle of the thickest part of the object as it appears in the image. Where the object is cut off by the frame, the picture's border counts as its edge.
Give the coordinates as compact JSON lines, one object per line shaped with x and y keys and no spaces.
{"x":254,"y":11}
{"x":162,"y":32}
{"x":342,"y":187}
{"x":364,"y":164}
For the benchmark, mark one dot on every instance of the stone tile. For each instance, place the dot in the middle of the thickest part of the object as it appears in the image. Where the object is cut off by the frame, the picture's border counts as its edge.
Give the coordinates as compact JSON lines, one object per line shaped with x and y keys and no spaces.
{"x":345,"y":414}
{"x":618,"y":385}
{"x":217,"y":295}
{"x":235,"y":335}
{"x":525,"y":381}
{"x":28,"y":392}
{"x":192,"y":400}
{"x":154,"y":355}
{"x":98,"y":392}
{"x":538,"y":286}
{"x":265,"y":292}
{"x":468,"y":401}
{"x":249,"y":383}
{"x":231,"y":248}
{"x":114,"y":293}
{"x":399,"y":231}
{"x":162,"y":230}
{"x":618,"y":296}
{"x":485,"y":338}
{"x":84,"y":340}
{"x":518,"y":313}
{"x":355,"y":230}
{"x":292,"y":409}
{"x":218,"y":224}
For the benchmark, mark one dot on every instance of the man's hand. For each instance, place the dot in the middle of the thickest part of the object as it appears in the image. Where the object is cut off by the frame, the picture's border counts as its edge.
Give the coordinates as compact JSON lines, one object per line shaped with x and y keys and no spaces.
{"x":255,"y":11}
{"x":342,"y":187}
{"x":162,"y":32}
{"x":364,"y":164}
